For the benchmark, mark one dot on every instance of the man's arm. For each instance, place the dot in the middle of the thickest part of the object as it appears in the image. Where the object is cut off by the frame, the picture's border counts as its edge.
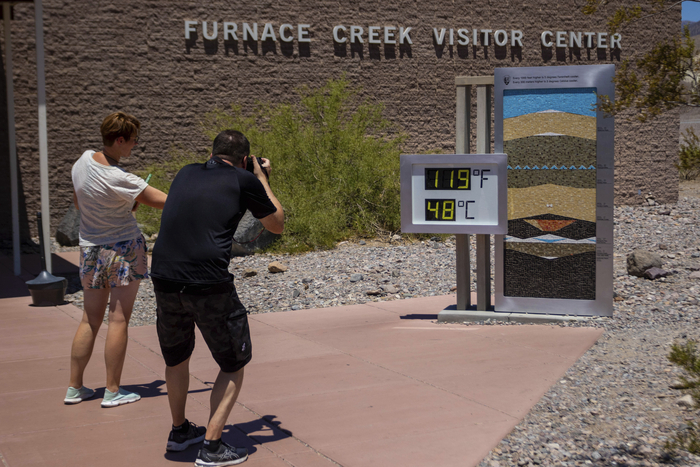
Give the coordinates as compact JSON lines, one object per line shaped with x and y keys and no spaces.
{"x":275,"y":221}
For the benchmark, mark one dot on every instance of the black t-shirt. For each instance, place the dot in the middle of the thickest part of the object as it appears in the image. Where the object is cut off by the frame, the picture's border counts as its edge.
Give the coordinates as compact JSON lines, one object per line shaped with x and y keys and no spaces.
{"x":205,"y":203}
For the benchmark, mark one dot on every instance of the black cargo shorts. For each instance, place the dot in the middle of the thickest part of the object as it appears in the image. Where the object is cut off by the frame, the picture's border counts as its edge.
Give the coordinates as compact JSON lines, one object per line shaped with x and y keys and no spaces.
{"x":219,"y":315}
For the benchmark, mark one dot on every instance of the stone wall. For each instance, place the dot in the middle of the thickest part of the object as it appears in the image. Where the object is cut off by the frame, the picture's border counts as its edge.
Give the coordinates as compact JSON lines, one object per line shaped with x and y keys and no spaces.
{"x":133,"y":56}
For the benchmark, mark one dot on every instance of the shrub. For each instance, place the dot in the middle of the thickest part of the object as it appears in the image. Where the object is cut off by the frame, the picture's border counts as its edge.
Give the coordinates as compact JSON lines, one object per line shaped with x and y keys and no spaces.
{"x":689,"y":157}
{"x":687,"y":357}
{"x":335,"y":163}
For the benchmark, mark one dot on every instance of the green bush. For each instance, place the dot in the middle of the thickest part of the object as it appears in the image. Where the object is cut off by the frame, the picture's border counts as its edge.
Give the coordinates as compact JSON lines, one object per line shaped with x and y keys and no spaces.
{"x":689,"y":158}
{"x":335,"y":163}
{"x":687,"y":357}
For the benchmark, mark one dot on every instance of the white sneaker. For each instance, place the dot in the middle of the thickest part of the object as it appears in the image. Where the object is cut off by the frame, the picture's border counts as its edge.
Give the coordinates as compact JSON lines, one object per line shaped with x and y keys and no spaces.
{"x":121,"y":397}
{"x":76,"y":396}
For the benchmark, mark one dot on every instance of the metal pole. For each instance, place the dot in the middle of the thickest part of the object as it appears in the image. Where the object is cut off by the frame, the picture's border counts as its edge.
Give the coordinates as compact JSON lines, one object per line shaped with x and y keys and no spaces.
{"x":464,"y":100}
{"x":43,"y":145}
{"x":12,"y":139}
{"x":483,"y":242}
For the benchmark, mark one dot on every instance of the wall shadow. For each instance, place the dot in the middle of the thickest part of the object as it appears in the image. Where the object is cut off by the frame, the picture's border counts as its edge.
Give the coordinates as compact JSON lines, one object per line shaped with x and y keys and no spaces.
{"x":191,"y":43}
{"x":211,"y":47}
{"x":357,"y":49}
{"x":231,"y":45}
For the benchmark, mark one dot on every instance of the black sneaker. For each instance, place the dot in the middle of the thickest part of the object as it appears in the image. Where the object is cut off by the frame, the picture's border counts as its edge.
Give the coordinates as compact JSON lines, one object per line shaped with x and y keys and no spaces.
{"x":226,"y":455}
{"x":178,"y":441}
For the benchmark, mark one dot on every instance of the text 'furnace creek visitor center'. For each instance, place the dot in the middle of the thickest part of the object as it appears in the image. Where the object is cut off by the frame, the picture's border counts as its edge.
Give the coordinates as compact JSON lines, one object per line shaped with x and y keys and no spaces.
{"x":170,"y":62}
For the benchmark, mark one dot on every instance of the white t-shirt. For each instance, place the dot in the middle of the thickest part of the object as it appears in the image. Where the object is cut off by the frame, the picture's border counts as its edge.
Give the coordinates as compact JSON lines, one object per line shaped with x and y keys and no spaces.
{"x":106,"y":195}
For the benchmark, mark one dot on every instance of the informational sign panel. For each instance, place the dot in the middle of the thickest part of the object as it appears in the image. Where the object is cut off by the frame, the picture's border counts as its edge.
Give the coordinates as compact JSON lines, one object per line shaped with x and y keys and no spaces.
{"x":557,"y":256}
{"x":453,"y":193}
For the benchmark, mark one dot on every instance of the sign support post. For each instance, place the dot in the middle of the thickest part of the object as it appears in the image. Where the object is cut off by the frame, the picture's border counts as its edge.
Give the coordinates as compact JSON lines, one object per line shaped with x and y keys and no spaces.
{"x":483,"y":146}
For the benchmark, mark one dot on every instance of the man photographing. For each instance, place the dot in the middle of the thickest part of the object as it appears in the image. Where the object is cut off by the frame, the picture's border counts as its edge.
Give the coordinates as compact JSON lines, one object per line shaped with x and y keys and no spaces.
{"x":192,"y":284}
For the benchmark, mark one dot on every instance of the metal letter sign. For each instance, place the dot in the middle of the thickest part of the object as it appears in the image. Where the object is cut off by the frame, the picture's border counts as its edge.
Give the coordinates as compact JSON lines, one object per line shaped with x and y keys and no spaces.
{"x":453,"y":193}
{"x":557,"y":256}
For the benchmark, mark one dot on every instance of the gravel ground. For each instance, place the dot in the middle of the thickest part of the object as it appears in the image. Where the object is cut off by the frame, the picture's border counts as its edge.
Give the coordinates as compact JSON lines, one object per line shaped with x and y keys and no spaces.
{"x":615,"y":406}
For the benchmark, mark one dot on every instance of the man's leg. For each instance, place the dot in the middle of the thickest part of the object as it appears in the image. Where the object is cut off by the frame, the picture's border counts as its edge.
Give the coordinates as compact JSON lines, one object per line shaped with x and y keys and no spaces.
{"x":223,"y":397}
{"x":177,"y":380}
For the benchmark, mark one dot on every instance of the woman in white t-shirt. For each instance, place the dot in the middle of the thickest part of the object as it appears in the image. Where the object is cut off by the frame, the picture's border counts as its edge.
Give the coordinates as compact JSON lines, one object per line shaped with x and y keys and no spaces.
{"x":112,"y":253}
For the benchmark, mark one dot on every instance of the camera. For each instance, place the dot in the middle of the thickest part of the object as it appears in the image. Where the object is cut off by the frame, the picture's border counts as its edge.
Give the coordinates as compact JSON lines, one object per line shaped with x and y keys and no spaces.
{"x":250,"y":166}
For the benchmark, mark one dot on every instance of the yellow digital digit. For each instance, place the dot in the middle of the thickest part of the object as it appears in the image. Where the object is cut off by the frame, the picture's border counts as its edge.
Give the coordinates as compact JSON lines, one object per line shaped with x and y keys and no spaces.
{"x":448,"y":210}
{"x":437,"y":176}
{"x":464,"y":176}
{"x":452,"y":178}
{"x":434,"y":210}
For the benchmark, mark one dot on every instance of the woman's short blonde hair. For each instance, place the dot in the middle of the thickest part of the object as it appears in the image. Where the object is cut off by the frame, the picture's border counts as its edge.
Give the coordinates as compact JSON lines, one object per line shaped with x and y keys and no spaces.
{"x":119,"y":124}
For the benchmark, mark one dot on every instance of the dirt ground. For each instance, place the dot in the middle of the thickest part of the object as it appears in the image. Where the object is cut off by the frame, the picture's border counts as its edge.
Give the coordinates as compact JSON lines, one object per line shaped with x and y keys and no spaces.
{"x":690,"y":189}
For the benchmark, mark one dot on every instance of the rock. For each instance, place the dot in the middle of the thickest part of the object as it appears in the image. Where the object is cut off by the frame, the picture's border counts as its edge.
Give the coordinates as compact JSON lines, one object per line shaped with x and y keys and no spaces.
{"x":694,"y":275}
{"x":695,"y":255}
{"x":686,"y":401}
{"x":251,"y":236}
{"x":641,"y":260}
{"x":154,"y":237}
{"x":307,"y":280}
{"x":677,"y":384}
{"x":250,"y":272}
{"x":67,"y":233}
{"x":355,"y":277}
{"x":389,"y":289}
{"x":655,"y":273}
{"x":396,"y":238}
{"x":374,"y":292}
{"x":296,"y":293}
{"x":275,"y":267}
{"x":362,"y":242}
{"x":395,"y":273}
{"x":663,"y":246}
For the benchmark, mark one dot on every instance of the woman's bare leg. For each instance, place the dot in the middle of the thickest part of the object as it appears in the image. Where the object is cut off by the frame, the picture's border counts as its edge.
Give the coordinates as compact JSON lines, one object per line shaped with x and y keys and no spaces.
{"x":94,"y":302}
{"x":121,"y":304}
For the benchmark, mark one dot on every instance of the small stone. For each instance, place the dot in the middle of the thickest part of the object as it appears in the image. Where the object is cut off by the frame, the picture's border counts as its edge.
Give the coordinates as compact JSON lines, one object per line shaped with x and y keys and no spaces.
{"x":275,"y":267}
{"x":389,"y":289}
{"x":686,"y":401}
{"x":655,"y":273}
{"x":395,"y":273}
{"x":694,"y":275}
{"x":641,"y":260}
{"x":296,"y":307}
{"x":306,"y":280}
{"x":677,"y":384}
{"x":296,"y":293}
{"x":250,"y":272}
{"x":695,"y":255}
{"x":355,"y":277}
{"x":453,"y":288}
{"x":362,"y":242}
{"x":374,"y":292}
{"x":663,"y":246}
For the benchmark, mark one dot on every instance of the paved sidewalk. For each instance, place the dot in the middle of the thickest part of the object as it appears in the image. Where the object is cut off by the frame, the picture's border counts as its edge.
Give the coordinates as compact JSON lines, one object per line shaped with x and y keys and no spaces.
{"x":379,"y":384}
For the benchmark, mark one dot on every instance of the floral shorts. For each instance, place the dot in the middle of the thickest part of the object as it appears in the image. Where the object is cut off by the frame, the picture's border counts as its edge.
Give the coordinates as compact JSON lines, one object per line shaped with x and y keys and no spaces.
{"x":114,"y":265}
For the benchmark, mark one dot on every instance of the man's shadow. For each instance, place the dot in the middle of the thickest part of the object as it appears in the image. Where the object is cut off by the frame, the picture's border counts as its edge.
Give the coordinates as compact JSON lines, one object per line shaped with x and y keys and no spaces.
{"x":248,"y":435}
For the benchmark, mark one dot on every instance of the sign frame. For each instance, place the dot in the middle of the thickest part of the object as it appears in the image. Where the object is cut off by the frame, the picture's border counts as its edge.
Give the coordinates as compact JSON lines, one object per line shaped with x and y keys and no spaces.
{"x":497,"y":161}
{"x":563,"y":77}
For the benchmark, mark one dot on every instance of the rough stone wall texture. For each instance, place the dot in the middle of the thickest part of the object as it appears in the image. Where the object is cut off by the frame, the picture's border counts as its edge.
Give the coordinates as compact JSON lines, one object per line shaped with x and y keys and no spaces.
{"x":132,"y":56}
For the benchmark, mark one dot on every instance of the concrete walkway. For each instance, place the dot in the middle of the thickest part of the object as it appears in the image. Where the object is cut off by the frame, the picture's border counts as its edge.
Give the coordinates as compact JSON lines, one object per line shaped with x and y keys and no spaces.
{"x":379,"y":384}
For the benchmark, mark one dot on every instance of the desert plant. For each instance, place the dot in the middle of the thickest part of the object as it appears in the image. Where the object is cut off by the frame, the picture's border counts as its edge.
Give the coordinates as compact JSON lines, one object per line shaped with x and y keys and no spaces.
{"x":689,"y":157}
{"x":687,"y":357}
{"x":335,"y":162}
